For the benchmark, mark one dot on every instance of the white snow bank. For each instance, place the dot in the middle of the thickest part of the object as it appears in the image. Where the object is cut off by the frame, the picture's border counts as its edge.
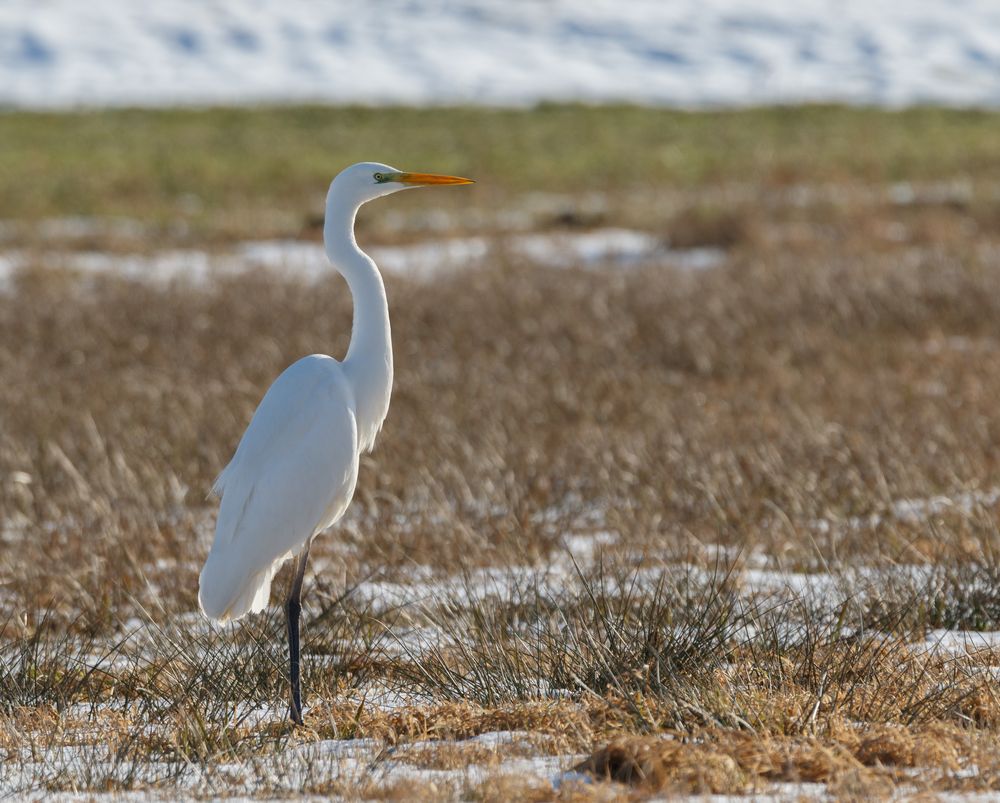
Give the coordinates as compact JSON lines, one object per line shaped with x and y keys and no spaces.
{"x":687,"y":52}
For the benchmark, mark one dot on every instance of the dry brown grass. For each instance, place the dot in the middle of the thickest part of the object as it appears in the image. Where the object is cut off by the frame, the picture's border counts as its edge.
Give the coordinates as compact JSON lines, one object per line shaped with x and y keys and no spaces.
{"x":782,"y":405}
{"x":871,"y":761}
{"x":735,"y":406}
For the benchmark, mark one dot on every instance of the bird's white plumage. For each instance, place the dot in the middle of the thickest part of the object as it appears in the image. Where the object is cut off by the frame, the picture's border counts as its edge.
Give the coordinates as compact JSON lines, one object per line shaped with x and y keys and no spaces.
{"x":292,"y":476}
{"x":294,"y":471}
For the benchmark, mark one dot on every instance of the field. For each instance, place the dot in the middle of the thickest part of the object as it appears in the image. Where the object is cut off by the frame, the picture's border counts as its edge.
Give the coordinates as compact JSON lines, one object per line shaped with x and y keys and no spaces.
{"x":689,"y":485}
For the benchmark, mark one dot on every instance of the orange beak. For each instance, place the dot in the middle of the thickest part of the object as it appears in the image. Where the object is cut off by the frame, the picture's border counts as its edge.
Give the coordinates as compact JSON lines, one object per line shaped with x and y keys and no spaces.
{"x":429,"y":179}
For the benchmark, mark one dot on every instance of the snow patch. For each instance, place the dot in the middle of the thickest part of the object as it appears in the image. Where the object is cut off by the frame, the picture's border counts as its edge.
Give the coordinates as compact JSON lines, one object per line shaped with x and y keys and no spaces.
{"x":960,"y":642}
{"x":600,"y":248}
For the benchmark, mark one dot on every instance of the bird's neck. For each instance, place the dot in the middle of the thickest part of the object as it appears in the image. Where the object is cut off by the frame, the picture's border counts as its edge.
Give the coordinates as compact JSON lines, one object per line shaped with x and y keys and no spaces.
{"x":368,"y":363}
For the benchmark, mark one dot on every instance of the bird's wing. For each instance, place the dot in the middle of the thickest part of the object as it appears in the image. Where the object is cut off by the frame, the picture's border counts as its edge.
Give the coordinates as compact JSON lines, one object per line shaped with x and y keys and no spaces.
{"x":293,"y":474}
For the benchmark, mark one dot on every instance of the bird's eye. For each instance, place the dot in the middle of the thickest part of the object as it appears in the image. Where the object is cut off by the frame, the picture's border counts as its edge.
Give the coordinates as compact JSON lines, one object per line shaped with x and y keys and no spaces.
{"x":379,"y":177}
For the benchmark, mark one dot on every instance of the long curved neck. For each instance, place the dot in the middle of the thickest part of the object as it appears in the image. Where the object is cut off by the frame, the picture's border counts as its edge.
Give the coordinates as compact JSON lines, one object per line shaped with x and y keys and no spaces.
{"x":368,"y":363}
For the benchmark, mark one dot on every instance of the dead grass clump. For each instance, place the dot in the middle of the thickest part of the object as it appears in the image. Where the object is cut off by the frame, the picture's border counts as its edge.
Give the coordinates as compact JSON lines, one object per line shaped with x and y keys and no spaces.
{"x":860,"y":784}
{"x":505,"y":787}
{"x":567,"y":721}
{"x":982,"y":704}
{"x":549,"y":727}
{"x":456,"y":755}
{"x":791,"y":759}
{"x":867,"y":763}
{"x":897,"y":746}
{"x":664,"y":764}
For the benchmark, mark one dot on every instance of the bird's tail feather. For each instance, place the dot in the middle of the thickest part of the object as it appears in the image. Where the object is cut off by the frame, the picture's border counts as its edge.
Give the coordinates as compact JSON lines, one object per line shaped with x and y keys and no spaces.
{"x":224,"y":598}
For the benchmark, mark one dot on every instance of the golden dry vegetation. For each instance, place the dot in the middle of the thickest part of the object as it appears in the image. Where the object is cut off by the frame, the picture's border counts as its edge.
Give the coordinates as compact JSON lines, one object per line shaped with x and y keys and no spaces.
{"x":669,"y":530}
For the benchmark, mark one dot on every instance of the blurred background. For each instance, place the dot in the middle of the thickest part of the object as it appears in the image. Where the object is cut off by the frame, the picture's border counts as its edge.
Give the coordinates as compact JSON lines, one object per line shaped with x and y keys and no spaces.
{"x":693,"y":54}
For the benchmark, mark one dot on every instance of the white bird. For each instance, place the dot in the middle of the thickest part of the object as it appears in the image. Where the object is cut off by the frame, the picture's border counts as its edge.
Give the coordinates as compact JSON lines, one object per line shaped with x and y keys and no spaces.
{"x":294,"y":471}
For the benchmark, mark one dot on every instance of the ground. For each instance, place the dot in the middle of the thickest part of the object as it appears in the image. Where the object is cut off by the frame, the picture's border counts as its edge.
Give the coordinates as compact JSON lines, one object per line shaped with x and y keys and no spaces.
{"x":708,"y":505}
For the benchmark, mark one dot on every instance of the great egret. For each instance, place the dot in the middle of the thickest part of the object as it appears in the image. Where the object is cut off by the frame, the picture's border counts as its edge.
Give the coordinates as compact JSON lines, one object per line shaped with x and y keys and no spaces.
{"x":294,"y":471}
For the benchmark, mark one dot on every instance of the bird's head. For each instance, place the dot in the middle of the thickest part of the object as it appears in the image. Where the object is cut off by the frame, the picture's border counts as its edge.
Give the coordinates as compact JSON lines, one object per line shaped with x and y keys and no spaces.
{"x":366,"y":181}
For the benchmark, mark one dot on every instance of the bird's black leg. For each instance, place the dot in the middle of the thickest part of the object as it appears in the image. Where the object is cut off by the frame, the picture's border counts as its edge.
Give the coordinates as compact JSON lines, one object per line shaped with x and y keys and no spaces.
{"x":293,"y":608}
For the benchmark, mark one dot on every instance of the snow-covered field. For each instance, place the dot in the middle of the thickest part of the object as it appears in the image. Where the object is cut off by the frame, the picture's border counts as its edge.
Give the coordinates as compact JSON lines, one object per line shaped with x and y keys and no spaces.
{"x":689,"y":52}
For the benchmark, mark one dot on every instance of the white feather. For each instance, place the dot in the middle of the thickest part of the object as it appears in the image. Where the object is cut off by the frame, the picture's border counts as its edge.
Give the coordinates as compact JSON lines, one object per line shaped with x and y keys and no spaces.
{"x":292,"y":476}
